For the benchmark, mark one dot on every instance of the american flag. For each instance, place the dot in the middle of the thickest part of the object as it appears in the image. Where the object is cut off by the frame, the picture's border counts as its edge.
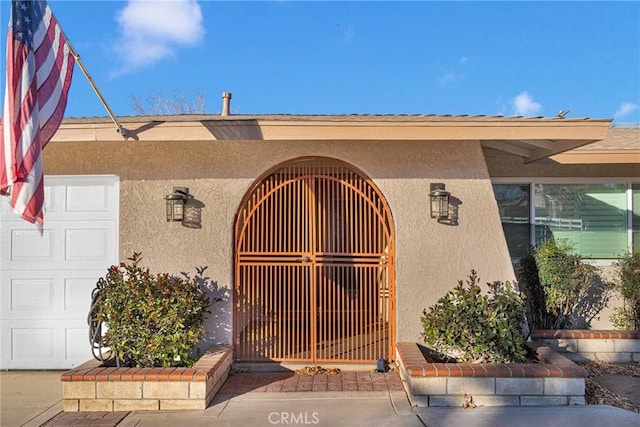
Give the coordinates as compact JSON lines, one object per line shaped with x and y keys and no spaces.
{"x":39,"y":69}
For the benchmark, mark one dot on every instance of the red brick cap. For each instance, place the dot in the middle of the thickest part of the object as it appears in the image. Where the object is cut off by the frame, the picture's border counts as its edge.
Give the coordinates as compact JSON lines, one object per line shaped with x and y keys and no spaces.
{"x":583,"y":334}
{"x":554,"y":366}
{"x":201,"y":371}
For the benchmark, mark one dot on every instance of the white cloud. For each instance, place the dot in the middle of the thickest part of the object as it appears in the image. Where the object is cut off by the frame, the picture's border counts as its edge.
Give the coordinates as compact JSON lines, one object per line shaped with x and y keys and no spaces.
{"x":152,"y":30}
{"x":452,"y":74}
{"x":626,"y":108}
{"x":447,"y":78}
{"x":524,"y":105}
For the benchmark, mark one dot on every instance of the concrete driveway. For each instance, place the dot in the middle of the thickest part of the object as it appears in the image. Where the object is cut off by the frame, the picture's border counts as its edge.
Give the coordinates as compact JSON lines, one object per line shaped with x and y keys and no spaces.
{"x":29,"y":398}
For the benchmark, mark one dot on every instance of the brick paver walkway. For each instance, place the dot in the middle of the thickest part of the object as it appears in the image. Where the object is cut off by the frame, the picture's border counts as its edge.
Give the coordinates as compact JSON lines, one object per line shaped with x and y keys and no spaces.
{"x":85,"y":419}
{"x":239,"y":383}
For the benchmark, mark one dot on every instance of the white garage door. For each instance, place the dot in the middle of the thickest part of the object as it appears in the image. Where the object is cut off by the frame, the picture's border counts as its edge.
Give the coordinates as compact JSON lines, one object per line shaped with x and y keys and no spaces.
{"x":46,"y":281}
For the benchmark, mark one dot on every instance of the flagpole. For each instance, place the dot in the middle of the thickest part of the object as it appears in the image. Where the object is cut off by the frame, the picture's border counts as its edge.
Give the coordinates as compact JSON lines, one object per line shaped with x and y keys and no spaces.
{"x":123,"y":131}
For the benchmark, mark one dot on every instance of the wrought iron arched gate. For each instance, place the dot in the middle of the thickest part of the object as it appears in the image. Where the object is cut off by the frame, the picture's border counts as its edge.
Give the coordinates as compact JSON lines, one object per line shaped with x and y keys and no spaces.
{"x":314,"y":266}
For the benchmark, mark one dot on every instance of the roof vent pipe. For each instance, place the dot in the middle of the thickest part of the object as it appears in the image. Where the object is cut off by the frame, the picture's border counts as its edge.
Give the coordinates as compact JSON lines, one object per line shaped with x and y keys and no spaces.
{"x":226,"y":103}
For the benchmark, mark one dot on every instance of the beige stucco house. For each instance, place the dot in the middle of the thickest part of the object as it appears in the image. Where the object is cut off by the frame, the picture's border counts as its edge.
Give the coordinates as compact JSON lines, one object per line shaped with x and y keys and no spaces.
{"x":316,"y":230}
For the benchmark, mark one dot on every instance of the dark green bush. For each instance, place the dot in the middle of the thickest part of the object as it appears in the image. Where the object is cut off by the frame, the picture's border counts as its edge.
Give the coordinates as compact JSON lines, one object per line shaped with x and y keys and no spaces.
{"x":627,"y":317}
{"x":574,"y":293}
{"x":472,"y":327}
{"x":151,"y":320}
{"x":534,"y":297}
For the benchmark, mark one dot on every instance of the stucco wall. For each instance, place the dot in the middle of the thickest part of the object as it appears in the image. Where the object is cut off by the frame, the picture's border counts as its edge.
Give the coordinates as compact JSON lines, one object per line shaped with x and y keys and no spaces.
{"x":430,"y":257}
{"x":601,"y":321}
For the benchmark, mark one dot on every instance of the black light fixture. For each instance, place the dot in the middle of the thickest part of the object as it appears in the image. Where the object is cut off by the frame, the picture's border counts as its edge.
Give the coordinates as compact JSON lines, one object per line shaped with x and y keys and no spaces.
{"x":175,"y":204}
{"x":439,"y":201}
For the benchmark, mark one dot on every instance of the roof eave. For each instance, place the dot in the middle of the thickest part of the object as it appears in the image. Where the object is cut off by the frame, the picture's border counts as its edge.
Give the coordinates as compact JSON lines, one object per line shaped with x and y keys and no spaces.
{"x":532,"y":138}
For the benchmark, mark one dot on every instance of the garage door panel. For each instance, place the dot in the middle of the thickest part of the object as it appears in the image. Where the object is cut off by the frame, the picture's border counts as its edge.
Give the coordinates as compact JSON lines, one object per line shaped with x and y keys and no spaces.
{"x":23,"y":248}
{"x":77,"y":292}
{"x":87,"y":198}
{"x":44,"y":344}
{"x":63,"y":245}
{"x":27,"y":245}
{"x":33,"y":295}
{"x":93,"y":198}
{"x":32,"y":343}
{"x":64,"y":294}
{"x":90,"y":244}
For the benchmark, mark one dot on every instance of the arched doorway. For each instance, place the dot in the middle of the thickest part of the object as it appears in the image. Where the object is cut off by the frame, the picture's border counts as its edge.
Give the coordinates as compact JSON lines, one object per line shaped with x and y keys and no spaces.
{"x":314,"y":266}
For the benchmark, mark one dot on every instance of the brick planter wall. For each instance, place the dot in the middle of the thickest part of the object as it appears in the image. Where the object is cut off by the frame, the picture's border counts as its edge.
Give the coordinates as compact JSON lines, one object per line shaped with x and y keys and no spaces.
{"x":605,"y":346}
{"x":555,"y":382}
{"x":91,"y":387}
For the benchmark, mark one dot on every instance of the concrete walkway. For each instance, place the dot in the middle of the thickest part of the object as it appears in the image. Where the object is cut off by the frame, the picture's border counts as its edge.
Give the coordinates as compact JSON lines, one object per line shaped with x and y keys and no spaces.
{"x":519,"y":416}
{"x":362,"y":408}
{"x":29,"y":398}
{"x":32,"y":399}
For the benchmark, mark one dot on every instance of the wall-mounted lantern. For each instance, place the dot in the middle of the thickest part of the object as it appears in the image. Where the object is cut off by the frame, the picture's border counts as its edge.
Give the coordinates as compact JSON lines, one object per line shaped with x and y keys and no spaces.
{"x":175,"y":203}
{"x":439,"y":201}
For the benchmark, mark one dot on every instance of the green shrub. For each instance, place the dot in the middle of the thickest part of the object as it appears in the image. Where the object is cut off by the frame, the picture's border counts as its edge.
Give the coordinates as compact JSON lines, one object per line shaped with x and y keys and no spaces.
{"x":472,"y":327}
{"x":534,"y":296}
{"x":151,"y":320}
{"x":574,"y":293}
{"x":627,"y":317}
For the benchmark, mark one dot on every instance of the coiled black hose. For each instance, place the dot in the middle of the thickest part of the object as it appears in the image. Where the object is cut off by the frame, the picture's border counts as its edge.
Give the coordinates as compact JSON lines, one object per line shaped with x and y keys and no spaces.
{"x":96,"y":337}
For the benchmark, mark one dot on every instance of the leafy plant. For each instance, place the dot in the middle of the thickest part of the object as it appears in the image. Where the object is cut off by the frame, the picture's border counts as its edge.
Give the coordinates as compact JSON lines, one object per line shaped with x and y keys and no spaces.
{"x":472,"y":327}
{"x":534,"y":296}
{"x":627,"y":317}
{"x":151,"y":320}
{"x":574,"y":293}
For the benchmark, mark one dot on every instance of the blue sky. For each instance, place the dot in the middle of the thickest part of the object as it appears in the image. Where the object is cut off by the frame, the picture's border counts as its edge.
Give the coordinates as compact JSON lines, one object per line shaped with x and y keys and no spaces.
{"x":303,"y":57}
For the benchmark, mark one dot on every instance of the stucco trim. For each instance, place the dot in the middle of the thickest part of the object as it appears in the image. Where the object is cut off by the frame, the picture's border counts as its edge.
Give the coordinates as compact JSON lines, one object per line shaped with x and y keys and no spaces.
{"x":599,"y":157}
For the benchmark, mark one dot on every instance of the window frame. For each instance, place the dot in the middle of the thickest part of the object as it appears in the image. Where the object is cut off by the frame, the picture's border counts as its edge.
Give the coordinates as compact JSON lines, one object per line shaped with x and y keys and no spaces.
{"x":532,"y":181}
